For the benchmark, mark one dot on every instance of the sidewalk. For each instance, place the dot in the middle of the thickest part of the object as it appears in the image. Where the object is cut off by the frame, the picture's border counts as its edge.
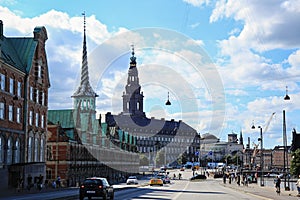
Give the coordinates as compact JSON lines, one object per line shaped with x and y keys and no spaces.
{"x":265,"y":192}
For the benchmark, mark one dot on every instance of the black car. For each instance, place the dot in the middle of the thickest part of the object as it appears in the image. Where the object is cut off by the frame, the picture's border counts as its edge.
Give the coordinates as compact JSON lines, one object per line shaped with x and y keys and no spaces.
{"x":96,"y":187}
{"x":198,"y":177}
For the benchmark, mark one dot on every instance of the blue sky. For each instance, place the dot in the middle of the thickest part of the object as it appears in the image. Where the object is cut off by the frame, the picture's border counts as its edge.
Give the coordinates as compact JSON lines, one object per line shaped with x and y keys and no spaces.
{"x":225,"y":63}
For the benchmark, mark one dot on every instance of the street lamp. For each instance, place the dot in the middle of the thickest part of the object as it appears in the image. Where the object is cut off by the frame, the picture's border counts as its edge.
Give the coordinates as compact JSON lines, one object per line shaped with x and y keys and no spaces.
{"x":261,"y":156}
{"x":285,"y":154}
{"x":168,"y":103}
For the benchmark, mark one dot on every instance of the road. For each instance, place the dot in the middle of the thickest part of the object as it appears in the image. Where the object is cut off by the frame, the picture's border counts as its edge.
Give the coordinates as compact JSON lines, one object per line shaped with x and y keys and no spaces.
{"x":184,"y":190}
{"x":177,"y":190}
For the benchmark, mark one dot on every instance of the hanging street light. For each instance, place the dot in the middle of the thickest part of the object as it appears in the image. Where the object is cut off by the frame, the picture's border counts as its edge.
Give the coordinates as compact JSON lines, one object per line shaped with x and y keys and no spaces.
{"x":285,"y":153}
{"x":168,"y":103}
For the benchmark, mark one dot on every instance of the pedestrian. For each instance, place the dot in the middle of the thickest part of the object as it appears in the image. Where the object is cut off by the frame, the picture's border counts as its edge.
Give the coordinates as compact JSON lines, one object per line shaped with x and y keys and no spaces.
{"x":174,"y":176}
{"x":238,"y":180}
{"x":298,"y":186}
{"x":224,"y":178}
{"x":277,"y":185}
{"x":58,"y":183}
{"x":179,"y":176}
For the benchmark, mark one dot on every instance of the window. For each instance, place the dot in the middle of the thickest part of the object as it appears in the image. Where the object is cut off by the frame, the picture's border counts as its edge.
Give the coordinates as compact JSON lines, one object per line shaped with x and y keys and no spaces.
{"x":2,"y":81}
{"x":36,"y":119}
{"x":9,"y":151}
{"x":36,"y":149}
{"x":18,"y":115}
{"x":10,"y":113}
{"x":42,"y":121}
{"x":19,"y":93}
{"x":11,"y":85}
{"x":43,"y":98}
{"x":31,"y":93}
{"x":16,"y":155}
{"x":37,"y":96}
{"x":29,"y":149}
{"x":30,"y":117}
{"x":1,"y":149}
{"x":2,"y":110}
{"x":39,"y":71}
{"x":42,"y":150}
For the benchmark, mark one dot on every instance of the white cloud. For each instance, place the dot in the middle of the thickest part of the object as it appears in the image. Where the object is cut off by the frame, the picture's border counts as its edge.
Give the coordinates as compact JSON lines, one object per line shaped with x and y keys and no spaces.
{"x":267,"y":24}
{"x":197,"y":3}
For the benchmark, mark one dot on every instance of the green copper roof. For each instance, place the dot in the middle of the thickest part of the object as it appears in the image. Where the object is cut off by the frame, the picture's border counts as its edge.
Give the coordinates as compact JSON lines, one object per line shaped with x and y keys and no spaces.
{"x":25,"y":48}
{"x":18,"y":52}
{"x":64,"y":117}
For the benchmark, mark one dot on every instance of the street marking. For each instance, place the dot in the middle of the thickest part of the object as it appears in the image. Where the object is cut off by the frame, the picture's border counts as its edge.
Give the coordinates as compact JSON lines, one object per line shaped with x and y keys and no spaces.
{"x":180,"y":193}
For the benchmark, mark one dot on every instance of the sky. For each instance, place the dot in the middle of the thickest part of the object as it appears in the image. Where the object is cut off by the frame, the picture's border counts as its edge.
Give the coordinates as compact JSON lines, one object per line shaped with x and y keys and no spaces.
{"x":226,"y":64}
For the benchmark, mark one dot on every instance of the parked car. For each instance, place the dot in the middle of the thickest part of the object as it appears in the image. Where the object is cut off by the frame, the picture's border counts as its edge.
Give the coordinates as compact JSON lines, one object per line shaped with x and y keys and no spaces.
{"x":198,"y":177}
{"x":96,"y":187}
{"x":156,"y":181}
{"x":132,"y":180}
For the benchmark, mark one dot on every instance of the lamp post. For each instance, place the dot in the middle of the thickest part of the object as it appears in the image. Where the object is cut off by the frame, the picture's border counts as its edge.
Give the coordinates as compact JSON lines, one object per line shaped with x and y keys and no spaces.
{"x":285,"y":153}
{"x":261,"y":156}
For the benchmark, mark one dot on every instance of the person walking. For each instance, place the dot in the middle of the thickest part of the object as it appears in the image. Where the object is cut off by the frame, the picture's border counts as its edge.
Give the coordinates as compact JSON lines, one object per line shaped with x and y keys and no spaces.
{"x":277,"y":185}
{"x":298,"y":186}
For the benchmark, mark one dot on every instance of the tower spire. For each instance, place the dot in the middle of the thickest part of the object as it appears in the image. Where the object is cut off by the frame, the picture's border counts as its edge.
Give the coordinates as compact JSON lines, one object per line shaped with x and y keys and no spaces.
{"x":85,"y":88}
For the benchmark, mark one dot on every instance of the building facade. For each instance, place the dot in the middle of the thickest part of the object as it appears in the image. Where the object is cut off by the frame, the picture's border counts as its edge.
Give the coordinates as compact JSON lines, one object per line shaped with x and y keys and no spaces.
{"x":24,"y":84}
{"x":168,"y":137}
{"x":80,"y":146}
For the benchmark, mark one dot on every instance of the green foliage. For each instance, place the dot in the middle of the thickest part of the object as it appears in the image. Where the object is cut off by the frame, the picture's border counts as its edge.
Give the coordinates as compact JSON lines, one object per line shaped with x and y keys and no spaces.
{"x":295,"y":163}
{"x":182,"y":158}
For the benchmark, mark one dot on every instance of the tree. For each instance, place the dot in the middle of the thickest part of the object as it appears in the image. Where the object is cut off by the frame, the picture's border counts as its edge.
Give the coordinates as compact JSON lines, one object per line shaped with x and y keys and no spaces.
{"x":182,"y":158}
{"x":144,"y":161}
{"x":295,"y":163}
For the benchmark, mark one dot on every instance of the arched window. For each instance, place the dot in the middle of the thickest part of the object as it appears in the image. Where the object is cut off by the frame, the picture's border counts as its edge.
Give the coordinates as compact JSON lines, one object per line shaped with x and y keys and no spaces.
{"x":16,"y":154}
{"x":1,"y":149}
{"x":42,"y":150}
{"x":127,"y":105}
{"x":29,"y":156}
{"x":138,"y":105}
{"x":9,"y":151}
{"x":36,"y":149}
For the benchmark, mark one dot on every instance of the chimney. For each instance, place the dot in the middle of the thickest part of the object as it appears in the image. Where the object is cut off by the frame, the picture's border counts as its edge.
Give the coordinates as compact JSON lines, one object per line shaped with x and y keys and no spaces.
{"x":1,"y":30}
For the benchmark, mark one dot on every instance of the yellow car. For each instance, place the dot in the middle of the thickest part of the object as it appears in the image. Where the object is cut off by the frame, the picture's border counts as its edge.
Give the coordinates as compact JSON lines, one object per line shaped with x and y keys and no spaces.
{"x":156,"y":181}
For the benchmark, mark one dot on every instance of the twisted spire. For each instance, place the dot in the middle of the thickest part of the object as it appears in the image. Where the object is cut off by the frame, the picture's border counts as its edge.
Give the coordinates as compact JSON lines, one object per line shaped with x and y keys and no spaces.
{"x":85,"y":88}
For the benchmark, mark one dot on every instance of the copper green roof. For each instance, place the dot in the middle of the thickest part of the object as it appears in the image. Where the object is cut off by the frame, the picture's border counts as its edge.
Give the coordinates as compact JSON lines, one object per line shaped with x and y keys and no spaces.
{"x":18,"y":52}
{"x":64,"y":117}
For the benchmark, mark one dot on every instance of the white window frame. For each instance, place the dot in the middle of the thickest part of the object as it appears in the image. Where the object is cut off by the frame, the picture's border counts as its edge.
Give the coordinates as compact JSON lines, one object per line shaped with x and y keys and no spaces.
{"x":30,"y":117}
{"x":2,"y":82}
{"x":39,"y":71}
{"x":2,"y":110}
{"x":19,"y":93}
{"x":18,"y":115}
{"x":11,"y":85}
{"x":36,"y":119}
{"x":10,"y":113}
{"x":42,"y":121}
{"x":31,"y":93}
